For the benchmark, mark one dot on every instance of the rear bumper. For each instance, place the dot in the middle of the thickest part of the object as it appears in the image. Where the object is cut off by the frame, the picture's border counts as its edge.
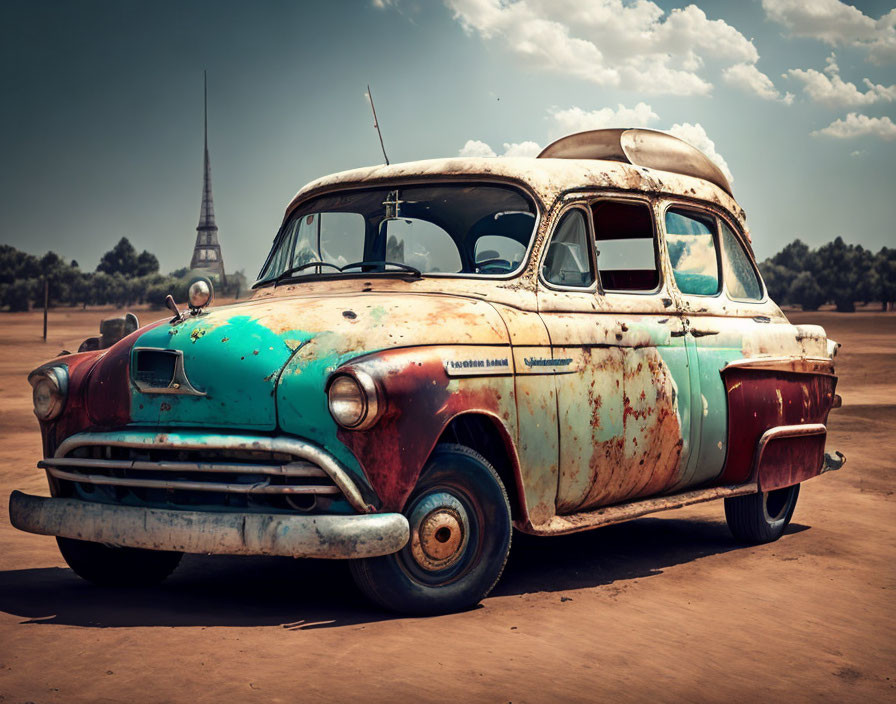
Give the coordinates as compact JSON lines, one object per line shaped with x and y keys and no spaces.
{"x":368,"y":535}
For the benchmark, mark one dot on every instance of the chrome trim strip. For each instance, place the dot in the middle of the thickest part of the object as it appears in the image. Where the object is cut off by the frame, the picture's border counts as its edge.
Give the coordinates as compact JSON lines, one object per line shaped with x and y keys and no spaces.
{"x":263,"y":487}
{"x":293,"y":469}
{"x":796,"y":365}
{"x":204,"y":441}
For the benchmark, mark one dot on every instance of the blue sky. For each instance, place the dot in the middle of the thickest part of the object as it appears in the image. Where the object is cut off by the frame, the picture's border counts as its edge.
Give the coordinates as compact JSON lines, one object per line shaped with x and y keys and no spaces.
{"x":101,"y":120}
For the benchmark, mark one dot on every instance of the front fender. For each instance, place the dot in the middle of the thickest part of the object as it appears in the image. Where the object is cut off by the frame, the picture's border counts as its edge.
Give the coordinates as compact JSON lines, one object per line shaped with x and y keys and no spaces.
{"x":420,"y":399}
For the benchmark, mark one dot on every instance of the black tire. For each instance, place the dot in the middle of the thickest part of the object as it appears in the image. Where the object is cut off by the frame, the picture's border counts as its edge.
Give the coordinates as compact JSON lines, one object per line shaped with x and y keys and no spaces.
{"x":762,"y":517}
{"x":117,"y":567}
{"x":460,"y":539}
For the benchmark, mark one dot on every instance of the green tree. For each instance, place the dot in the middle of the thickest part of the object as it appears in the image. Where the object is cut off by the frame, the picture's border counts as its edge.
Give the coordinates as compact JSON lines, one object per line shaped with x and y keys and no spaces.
{"x":778,"y":279}
{"x":147,"y":263}
{"x":842,"y":275}
{"x":805,"y":291}
{"x":121,"y":259}
{"x":19,"y":294}
{"x":16,"y":265}
{"x":885,"y":268}
{"x":796,"y":257}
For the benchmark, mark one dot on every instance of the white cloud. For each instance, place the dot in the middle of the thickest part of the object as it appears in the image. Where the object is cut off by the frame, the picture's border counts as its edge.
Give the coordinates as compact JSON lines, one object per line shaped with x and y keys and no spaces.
{"x":750,"y":79}
{"x":474,"y":147}
{"x":696,"y":136}
{"x":577,"y":120}
{"x":521,"y":149}
{"x":838,"y":24}
{"x":856,"y":125}
{"x":610,"y":42}
{"x":828,"y":88}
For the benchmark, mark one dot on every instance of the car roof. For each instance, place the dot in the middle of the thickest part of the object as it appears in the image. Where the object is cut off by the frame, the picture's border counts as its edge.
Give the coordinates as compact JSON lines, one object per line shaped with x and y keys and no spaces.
{"x":549,"y":178}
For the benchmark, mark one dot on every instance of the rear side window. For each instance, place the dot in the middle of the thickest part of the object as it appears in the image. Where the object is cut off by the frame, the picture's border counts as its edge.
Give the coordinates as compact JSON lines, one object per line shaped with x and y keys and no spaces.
{"x":691,"y":241}
{"x":741,"y":280}
{"x":626,"y":246}
{"x":567,"y":261}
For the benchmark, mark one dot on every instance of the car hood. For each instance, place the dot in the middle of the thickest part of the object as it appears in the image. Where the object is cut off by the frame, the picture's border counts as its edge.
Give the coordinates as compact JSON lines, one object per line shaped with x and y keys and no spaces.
{"x":234,"y":356}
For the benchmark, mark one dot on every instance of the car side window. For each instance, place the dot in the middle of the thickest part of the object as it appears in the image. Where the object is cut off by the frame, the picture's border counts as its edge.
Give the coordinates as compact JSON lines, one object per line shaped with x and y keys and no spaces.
{"x":567,"y":261}
{"x":626,"y":246}
{"x":741,"y":280}
{"x":691,"y":241}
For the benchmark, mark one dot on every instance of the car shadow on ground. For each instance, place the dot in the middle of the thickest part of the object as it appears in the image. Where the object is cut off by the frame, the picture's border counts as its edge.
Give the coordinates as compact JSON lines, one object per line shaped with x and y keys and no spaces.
{"x":305,"y":594}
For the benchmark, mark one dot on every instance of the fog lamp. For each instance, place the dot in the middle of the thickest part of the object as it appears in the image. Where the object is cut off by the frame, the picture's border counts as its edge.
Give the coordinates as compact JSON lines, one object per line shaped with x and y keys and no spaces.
{"x":49,"y":391}
{"x":352,"y":400}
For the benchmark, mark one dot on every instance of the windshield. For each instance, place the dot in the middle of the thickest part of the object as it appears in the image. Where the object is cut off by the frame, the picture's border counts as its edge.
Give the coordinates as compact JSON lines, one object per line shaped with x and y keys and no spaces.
{"x":435,"y":229}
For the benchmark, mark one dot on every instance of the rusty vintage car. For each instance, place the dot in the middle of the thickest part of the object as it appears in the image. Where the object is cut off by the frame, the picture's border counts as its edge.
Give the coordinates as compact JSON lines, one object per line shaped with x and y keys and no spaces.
{"x":434,"y":353}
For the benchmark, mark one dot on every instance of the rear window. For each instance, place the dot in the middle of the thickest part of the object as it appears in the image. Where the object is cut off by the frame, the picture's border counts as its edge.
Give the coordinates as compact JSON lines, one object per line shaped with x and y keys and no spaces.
{"x":691,"y":240}
{"x":741,"y":280}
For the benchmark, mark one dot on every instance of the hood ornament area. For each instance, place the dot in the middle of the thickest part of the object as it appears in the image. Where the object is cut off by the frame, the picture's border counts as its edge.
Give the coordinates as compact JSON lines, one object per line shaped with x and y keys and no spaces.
{"x":200,"y":294}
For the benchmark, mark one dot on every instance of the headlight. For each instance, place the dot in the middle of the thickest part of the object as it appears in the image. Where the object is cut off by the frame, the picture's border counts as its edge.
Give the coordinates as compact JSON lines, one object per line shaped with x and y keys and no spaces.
{"x":200,"y":293}
{"x":352,"y":400}
{"x":49,"y":391}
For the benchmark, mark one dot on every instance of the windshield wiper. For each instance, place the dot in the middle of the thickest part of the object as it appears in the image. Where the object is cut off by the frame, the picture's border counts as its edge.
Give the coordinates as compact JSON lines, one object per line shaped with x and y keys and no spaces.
{"x":296,"y":269}
{"x":405,"y":267}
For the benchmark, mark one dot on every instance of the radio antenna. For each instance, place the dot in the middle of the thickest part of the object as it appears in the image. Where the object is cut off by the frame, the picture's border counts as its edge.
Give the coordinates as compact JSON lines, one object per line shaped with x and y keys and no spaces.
{"x":376,"y":123}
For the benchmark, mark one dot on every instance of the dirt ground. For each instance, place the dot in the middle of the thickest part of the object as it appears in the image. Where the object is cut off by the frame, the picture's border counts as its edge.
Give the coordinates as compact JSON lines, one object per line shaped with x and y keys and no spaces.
{"x":666,"y":609}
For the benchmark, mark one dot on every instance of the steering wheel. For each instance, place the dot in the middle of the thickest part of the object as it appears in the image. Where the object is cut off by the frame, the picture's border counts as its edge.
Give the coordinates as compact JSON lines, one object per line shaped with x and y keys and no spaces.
{"x":487,"y":263}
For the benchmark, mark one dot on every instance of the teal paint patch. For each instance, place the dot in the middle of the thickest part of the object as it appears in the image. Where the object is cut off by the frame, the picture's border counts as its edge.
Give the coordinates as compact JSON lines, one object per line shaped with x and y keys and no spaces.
{"x":235,"y":361}
{"x":713,"y":408}
{"x":302,"y":407}
{"x":377,"y":313}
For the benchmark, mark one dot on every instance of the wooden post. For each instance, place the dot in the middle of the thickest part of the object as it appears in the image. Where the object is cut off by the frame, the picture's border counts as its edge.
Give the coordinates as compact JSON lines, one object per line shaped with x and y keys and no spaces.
{"x":46,"y":303}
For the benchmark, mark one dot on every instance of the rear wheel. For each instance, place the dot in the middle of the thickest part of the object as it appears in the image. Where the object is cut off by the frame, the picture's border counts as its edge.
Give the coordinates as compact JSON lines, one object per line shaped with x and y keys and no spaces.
{"x":761,"y":517}
{"x":117,"y":567}
{"x":459,"y":539}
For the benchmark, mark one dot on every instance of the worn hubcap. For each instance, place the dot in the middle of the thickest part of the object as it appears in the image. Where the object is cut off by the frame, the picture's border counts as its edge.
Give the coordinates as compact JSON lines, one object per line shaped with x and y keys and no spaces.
{"x":438,"y":531}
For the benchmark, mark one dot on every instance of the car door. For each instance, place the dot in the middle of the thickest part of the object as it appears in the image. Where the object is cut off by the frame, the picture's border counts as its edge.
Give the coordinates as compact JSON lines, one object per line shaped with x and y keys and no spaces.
{"x":715,"y":283}
{"x":618,"y":357}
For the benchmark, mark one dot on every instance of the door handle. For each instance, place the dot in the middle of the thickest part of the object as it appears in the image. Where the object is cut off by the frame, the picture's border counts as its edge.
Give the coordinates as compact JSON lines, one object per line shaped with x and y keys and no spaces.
{"x":703,"y":333}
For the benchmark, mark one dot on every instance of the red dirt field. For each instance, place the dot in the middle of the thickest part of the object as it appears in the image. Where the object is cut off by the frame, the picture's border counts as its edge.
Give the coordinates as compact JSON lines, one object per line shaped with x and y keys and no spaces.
{"x":666,"y":608}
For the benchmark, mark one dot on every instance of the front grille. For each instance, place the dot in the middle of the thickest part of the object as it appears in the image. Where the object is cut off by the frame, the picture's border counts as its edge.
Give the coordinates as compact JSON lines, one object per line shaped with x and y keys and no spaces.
{"x":201,"y":477}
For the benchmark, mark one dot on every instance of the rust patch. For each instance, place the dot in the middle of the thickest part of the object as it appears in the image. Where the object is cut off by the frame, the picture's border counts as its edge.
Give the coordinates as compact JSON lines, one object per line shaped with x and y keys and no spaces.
{"x":420,"y":400}
{"x":759,"y":399}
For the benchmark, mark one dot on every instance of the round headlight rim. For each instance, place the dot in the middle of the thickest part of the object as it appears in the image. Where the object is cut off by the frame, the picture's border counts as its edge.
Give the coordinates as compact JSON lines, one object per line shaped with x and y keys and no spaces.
{"x":209,"y":293}
{"x":369,"y":395}
{"x":57,"y":377}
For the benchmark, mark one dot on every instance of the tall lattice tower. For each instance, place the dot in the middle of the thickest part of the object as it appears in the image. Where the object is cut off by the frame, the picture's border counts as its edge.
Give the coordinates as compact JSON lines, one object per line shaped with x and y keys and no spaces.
{"x":207,"y":251}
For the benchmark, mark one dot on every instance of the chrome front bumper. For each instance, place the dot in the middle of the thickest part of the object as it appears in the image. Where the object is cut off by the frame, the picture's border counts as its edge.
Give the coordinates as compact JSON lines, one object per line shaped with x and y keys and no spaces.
{"x":368,"y":535}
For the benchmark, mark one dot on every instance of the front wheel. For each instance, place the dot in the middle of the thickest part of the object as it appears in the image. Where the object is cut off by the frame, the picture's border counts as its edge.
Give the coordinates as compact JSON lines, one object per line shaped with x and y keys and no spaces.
{"x":762,"y":517}
{"x":460,"y":530}
{"x":109,"y":566}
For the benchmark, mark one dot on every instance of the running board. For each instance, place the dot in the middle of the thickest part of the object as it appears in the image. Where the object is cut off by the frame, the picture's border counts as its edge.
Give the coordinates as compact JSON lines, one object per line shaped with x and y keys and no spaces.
{"x":561,"y":525}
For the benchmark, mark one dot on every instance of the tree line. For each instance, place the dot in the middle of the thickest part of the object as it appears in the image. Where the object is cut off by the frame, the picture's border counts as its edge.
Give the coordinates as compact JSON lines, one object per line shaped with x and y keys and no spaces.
{"x":122,"y":278}
{"x":837,"y":272}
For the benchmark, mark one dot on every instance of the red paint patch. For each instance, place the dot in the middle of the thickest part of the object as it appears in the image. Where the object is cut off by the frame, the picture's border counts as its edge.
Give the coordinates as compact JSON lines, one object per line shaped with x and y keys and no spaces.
{"x":762,"y":399}
{"x":418,"y":408}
